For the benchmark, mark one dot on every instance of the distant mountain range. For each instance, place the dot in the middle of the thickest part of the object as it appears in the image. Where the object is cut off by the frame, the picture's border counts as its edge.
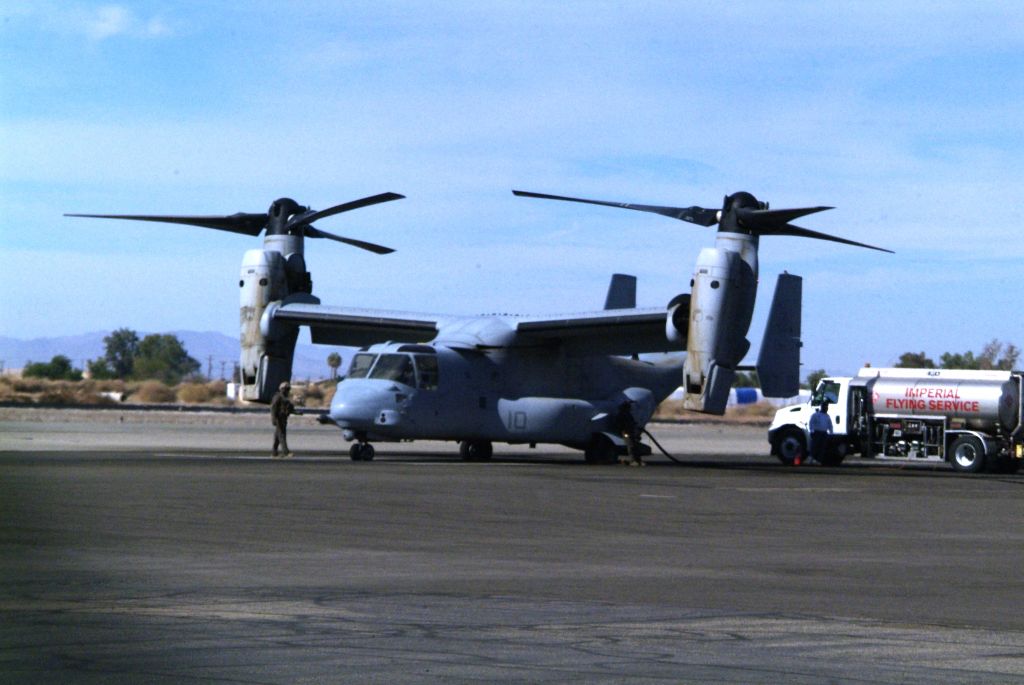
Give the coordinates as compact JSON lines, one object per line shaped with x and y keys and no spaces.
{"x":216,"y":352}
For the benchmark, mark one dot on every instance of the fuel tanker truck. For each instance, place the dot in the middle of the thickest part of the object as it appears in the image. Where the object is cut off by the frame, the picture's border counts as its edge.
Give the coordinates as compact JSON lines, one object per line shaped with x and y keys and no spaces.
{"x":972,"y":419}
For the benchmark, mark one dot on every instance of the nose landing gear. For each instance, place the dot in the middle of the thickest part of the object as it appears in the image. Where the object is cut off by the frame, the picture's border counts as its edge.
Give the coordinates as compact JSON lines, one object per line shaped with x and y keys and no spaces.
{"x":361,"y":451}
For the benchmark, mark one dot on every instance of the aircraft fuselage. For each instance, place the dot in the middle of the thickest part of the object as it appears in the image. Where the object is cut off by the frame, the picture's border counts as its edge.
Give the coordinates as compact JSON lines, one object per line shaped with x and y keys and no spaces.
{"x":398,"y":391}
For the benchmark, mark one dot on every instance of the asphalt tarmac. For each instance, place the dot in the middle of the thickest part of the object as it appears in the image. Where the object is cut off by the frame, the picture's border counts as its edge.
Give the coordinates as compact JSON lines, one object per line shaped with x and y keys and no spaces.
{"x":148,"y":549}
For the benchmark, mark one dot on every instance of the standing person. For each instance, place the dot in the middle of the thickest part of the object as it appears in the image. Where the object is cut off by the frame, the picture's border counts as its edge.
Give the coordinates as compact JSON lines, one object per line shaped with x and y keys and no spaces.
{"x":820,"y":426}
{"x":626,"y":424}
{"x":280,"y":408}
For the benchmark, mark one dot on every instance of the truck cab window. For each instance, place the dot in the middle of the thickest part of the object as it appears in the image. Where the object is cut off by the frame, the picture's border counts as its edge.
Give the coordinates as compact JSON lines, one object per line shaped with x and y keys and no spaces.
{"x":828,"y":391}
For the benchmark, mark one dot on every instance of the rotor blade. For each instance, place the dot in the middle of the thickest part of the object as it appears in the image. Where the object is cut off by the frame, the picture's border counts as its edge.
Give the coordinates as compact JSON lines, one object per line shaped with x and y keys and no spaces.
{"x":311,"y":216}
{"x":774,"y":217}
{"x":372,"y":247}
{"x":694,"y":215}
{"x":790,"y":229}
{"x":248,"y":224}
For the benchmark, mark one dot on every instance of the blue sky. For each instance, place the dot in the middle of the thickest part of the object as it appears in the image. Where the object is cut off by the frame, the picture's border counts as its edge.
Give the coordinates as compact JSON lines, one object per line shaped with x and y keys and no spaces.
{"x":907,"y":117}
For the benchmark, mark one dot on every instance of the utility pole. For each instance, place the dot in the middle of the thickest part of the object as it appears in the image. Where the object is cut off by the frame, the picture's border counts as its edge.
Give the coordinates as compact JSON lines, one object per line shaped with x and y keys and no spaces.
{"x":222,"y":365}
{"x":209,"y":366}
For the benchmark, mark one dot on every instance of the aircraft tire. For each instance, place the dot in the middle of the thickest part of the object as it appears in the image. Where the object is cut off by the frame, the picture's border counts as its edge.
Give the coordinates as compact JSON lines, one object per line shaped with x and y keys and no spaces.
{"x":790,"y":445}
{"x":361,"y":451}
{"x":601,"y":450}
{"x":967,"y":455}
{"x":476,"y":450}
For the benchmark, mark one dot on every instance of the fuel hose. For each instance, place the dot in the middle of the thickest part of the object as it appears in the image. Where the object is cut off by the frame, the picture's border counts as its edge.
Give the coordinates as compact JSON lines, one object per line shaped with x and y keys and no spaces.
{"x":658,"y":444}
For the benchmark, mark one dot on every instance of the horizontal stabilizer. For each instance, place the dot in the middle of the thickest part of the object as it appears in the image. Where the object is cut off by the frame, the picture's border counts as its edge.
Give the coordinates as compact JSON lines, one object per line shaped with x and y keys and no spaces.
{"x":778,"y":363}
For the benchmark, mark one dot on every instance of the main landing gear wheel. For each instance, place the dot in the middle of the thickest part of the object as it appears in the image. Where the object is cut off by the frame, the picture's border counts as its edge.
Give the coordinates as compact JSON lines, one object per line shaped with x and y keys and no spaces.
{"x":790,"y":446}
{"x":967,"y":454}
{"x":601,"y":450}
{"x":476,"y":450}
{"x":361,"y":451}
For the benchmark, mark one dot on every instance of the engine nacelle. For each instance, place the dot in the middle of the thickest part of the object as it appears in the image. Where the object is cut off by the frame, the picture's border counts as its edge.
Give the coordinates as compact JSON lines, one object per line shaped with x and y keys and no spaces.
{"x":267,"y":350}
{"x":721,"y":305}
{"x":677,"y":321}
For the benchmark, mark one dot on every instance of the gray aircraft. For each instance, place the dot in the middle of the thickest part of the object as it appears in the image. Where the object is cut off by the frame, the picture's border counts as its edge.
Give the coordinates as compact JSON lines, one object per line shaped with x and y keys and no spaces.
{"x":518,"y":379}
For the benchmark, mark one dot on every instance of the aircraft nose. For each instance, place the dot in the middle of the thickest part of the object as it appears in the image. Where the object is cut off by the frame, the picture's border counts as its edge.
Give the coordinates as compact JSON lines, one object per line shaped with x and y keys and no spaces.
{"x":359,"y":404}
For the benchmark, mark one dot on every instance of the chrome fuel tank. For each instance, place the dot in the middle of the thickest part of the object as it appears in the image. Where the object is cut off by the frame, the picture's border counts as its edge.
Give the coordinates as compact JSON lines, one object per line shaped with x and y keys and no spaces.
{"x":983,"y":399}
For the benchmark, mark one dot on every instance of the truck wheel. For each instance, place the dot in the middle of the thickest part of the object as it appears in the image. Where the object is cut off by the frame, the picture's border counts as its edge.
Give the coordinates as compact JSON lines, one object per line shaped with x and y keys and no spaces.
{"x":835,"y":453}
{"x":791,"y":444}
{"x":967,"y":455}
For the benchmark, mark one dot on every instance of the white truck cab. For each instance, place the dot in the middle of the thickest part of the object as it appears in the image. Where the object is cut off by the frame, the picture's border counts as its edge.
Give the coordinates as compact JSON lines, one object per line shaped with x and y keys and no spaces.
{"x":789,"y":436}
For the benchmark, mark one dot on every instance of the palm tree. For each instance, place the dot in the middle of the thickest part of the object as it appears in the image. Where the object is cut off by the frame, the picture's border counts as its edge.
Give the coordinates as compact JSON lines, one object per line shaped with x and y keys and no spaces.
{"x":334,"y":361}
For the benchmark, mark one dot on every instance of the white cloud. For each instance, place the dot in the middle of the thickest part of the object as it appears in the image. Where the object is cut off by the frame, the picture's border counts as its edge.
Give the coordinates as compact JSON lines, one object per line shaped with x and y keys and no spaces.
{"x":97,"y":23}
{"x":107,"y":21}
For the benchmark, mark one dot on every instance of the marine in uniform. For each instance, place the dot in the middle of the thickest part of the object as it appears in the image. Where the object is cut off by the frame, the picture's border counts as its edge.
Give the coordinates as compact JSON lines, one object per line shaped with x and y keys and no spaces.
{"x":280,"y":409}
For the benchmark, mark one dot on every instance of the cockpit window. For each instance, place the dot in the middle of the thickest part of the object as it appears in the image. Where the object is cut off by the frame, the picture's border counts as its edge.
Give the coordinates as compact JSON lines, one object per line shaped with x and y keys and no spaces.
{"x":828,"y":391}
{"x":361,"y":364}
{"x":427,"y":366}
{"x":395,"y":367}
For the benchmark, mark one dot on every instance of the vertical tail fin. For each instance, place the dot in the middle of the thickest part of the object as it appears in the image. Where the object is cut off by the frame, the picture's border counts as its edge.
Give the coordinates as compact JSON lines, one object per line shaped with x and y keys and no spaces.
{"x":778,"y":363}
{"x":621,"y":292}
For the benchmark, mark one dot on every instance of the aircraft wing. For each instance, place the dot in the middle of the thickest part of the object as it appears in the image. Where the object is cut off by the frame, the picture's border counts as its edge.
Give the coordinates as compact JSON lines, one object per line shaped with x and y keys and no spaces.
{"x":614,"y":331}
{"x":357,"y":327}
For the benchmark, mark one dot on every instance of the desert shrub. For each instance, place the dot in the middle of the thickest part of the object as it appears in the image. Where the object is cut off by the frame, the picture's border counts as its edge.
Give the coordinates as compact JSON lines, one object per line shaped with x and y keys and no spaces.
{"x":57,"y":394}
{"x":217,"y":389}
{"x":669,"y":409}
{"x":30,"y":385}
{"x":152,"y":392}
{"x":318,"y":394}
{"x":673,"y":409}
{"x":71,"y":393}
{"x":310,"y":395}
{"x":203,"y":393}
{"x":193,"y":393}
{"x":114,"y":385}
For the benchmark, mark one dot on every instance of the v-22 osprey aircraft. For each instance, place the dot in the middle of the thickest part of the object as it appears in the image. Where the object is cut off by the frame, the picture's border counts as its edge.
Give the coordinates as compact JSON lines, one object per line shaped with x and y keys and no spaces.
{"x":518,"y":379}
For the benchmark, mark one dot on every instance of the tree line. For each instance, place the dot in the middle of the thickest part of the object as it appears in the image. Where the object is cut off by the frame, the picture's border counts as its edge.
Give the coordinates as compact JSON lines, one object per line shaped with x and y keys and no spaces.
{"x":157,"y":356}
{"x":164,"y":357}
{"x":994,"y":356}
